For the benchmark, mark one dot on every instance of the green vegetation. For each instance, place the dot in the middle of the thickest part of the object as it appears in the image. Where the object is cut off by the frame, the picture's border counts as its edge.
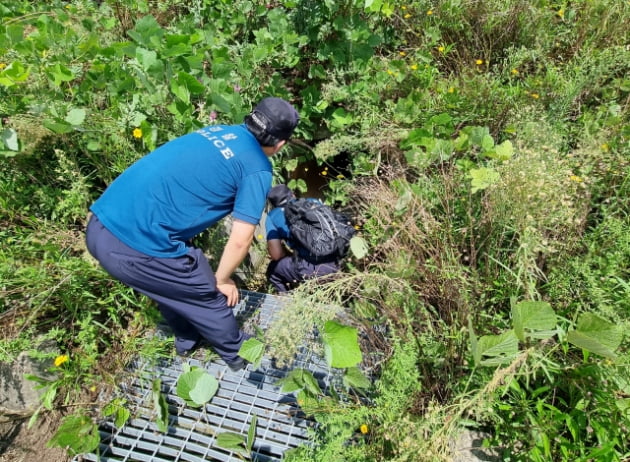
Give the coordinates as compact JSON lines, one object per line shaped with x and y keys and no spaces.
{"x":482,"y":146}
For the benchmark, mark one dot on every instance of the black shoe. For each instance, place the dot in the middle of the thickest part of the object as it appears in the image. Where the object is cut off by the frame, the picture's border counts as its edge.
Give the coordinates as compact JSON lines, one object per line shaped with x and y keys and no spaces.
{"x":237,"y":364}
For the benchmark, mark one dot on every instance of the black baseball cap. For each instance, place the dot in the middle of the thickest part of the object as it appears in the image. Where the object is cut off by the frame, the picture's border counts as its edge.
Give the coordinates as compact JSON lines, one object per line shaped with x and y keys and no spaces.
{"x":280,"y":195}
{"x":276,"y":117}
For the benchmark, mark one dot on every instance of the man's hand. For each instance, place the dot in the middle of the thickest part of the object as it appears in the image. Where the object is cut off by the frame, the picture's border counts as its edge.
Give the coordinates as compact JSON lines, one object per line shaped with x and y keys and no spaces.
{"x":234,"y":253}
{"x":229,"y":289}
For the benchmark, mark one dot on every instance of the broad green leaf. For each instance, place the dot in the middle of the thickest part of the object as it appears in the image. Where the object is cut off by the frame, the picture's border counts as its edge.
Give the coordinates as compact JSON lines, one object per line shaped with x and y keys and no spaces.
{"x":373,"y":6}
{"x":252,"y":350}
{"x":341,"y":118}
{"x":503,"y":151}
{"x":442,"y":148}
{"x":310,"y":383}
{"x":78,"y":433}
{"x":147,"y":32}
{"x":497,"y":349}
{"x":388,"y":9}
{"x":477,"y":134}
{"x":354,"y":378}
{"x":358,"y":247}
{"x":461,"y":142}
{"x":58,"y":126}
{"x":299,"y":379}
{"x":291,"y":164}
{"x":76,"y":116}
{"x":15,"y":33}
{"x":60,"y":73}
{"x":441,"y":119}
{"x":341,"y":345}
{"x":482,"y":177}
{"x":532,"y":316}
{"x":596,"y":335}
{"x":191,"y":83}
{"x":10,"y":139}
{"x":13,"y":74}
{"x":230,"y":440}
{"x":487,"y":143}
{"x":205,"y":388}
{"x":117,"y":408}
{"x":196,"y":387}
{"x":146,"y":58}
{"x":292,"y":382}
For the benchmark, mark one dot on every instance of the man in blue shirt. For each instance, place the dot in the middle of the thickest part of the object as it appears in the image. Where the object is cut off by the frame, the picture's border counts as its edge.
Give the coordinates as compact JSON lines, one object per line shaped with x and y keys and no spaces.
{"x":288,"y":269}
{"x":141,"y":226}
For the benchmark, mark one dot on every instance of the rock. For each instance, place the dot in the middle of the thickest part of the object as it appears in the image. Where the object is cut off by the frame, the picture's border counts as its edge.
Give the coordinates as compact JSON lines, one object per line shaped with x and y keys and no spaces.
{"x":469,"y":448}
{"x":18,"y":395}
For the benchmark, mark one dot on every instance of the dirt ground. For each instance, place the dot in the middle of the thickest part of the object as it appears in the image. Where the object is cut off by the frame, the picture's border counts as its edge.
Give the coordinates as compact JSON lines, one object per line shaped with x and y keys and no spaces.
{"x":19,"y":444}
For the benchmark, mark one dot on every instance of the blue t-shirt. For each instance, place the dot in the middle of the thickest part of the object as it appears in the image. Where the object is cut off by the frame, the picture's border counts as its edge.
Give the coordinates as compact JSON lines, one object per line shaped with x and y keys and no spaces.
{"x":276,"y":225}
{"x":186,"y":186}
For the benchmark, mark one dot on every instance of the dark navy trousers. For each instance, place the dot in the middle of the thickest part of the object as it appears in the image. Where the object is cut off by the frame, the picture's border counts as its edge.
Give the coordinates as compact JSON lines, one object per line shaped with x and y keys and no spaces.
{"x":288,"y":272}
{"x":183,"y":287}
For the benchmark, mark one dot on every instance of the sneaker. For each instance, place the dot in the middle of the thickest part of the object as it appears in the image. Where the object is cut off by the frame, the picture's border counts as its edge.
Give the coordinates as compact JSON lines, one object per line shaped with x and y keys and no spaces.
{"x":237,"y":364}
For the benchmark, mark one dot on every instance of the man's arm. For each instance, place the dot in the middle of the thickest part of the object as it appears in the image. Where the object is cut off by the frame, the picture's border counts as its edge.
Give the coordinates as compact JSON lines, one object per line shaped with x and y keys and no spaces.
{"x":234,"y":253}
{"x":275,"y":248}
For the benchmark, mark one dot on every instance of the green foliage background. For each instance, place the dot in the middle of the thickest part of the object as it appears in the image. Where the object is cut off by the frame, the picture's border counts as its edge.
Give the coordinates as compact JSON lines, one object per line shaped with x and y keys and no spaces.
{"x":482,"y":147}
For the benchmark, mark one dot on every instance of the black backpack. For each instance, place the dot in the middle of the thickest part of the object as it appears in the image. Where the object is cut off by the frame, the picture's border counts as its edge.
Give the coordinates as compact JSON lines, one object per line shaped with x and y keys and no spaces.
{"x":320,"y":234}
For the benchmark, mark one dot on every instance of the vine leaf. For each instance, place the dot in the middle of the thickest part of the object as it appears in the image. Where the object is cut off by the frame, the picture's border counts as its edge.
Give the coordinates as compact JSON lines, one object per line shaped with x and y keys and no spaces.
{"x":596,"y":335}
{"x":537,"y":317}
{"x":341,"y":345}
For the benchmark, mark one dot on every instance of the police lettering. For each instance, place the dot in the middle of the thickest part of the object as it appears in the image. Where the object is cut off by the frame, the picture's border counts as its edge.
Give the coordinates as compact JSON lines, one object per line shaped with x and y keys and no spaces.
{"x":226,"y":152}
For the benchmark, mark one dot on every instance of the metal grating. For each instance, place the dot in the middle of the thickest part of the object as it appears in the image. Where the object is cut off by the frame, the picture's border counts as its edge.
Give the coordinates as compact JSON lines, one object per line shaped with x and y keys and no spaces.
{"x":191,"y":433}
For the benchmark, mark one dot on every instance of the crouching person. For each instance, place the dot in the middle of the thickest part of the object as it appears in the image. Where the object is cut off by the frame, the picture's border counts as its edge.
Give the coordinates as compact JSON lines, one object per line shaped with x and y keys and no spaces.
{"x":292,"y":260}
{"x":141,"y":226}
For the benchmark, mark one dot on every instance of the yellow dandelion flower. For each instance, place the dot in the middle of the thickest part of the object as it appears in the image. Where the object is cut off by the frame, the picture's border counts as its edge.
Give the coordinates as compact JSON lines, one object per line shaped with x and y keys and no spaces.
{"x":357,"y":227}
{"x":534,"y":95}
{"x":260,"y":236}
{"x":407,"y":16}
{"x":364,"y":429}
{"x":402,"y":53}
{"x":560,"y":13}
{"x":390,"y":72}
{"x":403,"y":7}
{"x":451,"y":90}
{"x":324,"y":172}
{"x":605,"y":147}
{"x":413,"y":67}
{"x":93,"y":388}
{"x":429,"y":13}
{"x":514,"y":71}
{"x":441,"y":49}
{"x":2,"y":66}
{"x":575,"y":178}
{"x":59,"y":360}
{"x":137,"y":133}
{"x":479,"y":62}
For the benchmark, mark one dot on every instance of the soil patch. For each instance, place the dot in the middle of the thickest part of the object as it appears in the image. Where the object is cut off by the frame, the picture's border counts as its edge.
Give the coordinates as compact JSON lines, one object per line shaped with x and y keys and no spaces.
{"x":21,"y":444}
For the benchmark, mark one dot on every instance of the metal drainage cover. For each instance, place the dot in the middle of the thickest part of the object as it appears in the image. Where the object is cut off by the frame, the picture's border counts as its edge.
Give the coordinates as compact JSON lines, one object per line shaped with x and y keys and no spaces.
{"x":192,"y":432}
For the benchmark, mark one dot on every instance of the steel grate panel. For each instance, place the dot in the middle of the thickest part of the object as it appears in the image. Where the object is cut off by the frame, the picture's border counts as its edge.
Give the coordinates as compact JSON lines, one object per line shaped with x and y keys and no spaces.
{"x":192,"y":432}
